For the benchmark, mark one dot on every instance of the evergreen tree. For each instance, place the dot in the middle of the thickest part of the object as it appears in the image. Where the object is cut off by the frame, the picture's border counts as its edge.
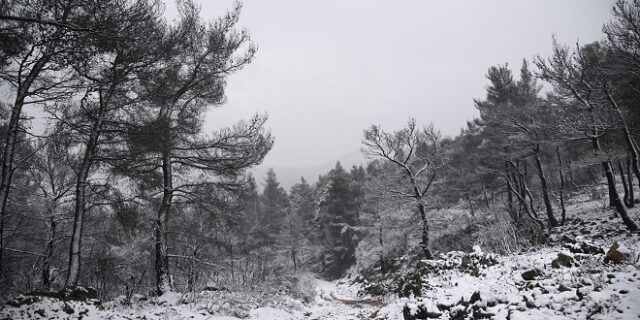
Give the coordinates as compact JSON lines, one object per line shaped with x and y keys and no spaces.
{"x":273,"y":202}
{"x":338,"y":217}
{"x":300,"y":217}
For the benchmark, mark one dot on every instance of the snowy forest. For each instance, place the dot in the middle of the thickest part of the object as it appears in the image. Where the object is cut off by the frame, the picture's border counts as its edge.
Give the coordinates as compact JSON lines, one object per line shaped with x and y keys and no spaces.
{"x":125,"y":207}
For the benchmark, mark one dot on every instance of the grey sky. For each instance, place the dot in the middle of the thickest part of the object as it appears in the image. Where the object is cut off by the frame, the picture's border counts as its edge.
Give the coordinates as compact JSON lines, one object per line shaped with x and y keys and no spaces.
{"x":325,"y":70}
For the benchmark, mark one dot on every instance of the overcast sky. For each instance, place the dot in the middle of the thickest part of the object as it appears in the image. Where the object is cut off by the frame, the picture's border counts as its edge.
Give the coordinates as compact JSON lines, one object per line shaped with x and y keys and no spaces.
{"x":325,"y":70}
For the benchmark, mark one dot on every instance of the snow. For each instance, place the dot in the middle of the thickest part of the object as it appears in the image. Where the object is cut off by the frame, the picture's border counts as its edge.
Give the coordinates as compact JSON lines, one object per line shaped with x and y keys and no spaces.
{"x":588,"y":289}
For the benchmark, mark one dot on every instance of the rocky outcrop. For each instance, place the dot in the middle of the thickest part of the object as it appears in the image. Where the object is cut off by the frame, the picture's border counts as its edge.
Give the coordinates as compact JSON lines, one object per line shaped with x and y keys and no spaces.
{"x":617,"y":254}
{"x":563,"y":260}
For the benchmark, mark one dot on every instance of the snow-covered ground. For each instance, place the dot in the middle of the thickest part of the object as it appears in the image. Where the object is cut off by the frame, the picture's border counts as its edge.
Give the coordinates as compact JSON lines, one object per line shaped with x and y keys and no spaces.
{"x":332,"y":300}
{"x":582,"y":284}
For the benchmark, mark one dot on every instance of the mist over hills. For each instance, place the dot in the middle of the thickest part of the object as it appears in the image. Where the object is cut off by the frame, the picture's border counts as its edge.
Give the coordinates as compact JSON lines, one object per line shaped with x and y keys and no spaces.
{"x":289,"y":175}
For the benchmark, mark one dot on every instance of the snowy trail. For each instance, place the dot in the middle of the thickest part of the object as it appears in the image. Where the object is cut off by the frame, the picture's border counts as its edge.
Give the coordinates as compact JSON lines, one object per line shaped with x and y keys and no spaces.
{"x":333,"y":300}
{"x":338,"y":301}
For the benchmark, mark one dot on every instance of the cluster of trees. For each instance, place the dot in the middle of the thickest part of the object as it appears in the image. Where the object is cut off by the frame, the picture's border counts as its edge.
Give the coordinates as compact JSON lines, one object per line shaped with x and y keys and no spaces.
{"x":125,"y":92}
{"x":125,"y":180}
{"x":526,"y":147}
{"x":312,"y":227}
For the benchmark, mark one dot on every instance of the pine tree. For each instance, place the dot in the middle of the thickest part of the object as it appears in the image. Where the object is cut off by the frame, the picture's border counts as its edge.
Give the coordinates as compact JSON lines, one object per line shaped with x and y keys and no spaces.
{"x":273,"y":203}
{"x":338,"y":218}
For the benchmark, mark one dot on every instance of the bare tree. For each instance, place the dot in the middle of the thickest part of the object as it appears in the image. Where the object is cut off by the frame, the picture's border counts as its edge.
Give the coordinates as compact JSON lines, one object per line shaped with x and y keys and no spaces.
{"x":418,"y":154}
{"x":51,"y":171}
{"x":576,"y":80}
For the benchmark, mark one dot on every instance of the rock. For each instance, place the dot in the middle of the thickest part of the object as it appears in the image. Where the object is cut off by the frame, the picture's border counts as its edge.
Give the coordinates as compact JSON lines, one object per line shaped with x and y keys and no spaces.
{"x":458,"y":313}
{"x":474,"y":297}
{"x":214,"y":289}
{"x":590,"y":249}
{"x":22,"y":300}
{"x":531,"y":274}
{"x":562,"y":260}
{"x":376,"y":289}
{"x":567,"y":239}
{"x":443,"y":306}
{"x":410,"y":285}
{"x":615,"y":255}
{"x":421,"y":313}
{"x":482,"y":314}
{"x":529,"y":303}
{"x":82,"y":294}
{"x":75,"y":294}
{"x":583,"y":247}
{"x":67,"y":309}
{"x":242,"y":314}
{"x":563,"y":288}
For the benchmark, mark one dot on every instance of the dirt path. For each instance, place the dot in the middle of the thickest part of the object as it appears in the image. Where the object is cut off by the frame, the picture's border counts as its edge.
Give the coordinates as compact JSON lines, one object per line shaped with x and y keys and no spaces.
{"x":339,"y":301}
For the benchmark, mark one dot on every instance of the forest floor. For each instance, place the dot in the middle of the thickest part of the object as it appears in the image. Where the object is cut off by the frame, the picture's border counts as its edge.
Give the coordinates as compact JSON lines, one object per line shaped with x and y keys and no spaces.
{"x":589,"y":270}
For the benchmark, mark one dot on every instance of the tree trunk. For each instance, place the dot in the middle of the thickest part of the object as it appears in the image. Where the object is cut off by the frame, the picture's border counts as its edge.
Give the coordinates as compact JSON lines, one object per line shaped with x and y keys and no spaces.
{"x":46,"y":267}
{"x":521,"y":198}
{"x":527,"y":193}
{"x":633,"y":151}
{"x":612,"y":192}
{"x":486,"y":197}
{"x":632,"y":200}
{"x":545,"y":191}
{"x":510,"y":195}
{"x":517,"y":186}
{"x":624,"y":184}
{"x":571,"y":180}
{"x":292,"y":244}
{"x":562,"y":187}
{"x":383,"y":263}
{"x":7,"y":168}
{"x":11,"y":141}
{"x":470,"y":206}
{"x":81,"y":188}
{"x":163,"y":283}
{"x":424,"y":239}
{"x":608,"y":172}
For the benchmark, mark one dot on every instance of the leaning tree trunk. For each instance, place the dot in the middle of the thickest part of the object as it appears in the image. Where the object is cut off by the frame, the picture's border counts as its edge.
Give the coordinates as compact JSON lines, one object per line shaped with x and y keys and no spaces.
{"x":517,"y":187}
{"x":632,"y":200}
{"x":11,"y":141}
{"x":7,"y":168}
{"x":545,"y":190}
{"x":621,"y":209}
{"x":562,"y":187}
{"x":424,"y":239}
{"x":81,"y":188}
{"x":624,"y":184}
{"x":528,"y":194}
{"x":510,"y":207}
{"x":633,"y":150}
{"x":521,"y":197}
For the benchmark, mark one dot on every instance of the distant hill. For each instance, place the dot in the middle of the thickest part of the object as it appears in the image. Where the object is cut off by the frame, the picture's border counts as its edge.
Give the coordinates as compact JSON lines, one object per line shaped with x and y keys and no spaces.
{"x":288,"y":176}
